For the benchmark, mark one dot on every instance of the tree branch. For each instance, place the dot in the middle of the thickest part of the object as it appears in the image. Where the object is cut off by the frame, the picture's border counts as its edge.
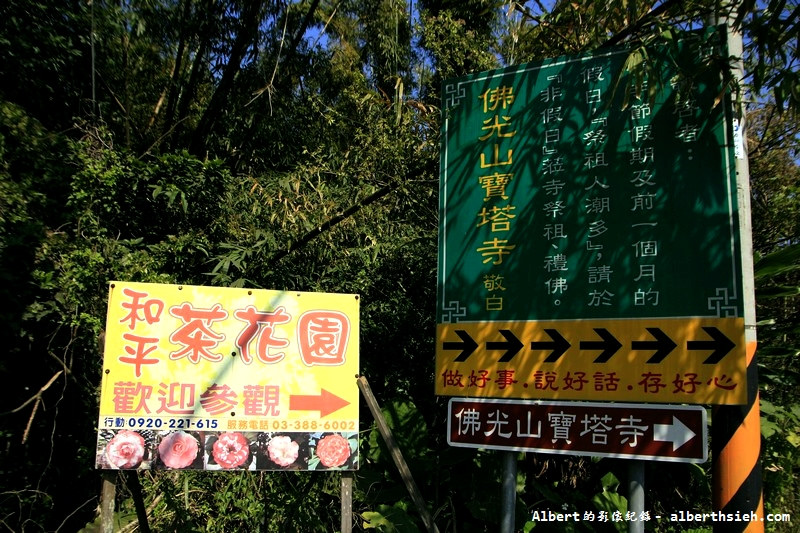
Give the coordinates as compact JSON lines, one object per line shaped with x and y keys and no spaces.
{"x":177,"y":67}
{"x":527,"y":13}
{"x":632,"y":29}
{"x":250,"y":20}
{"x":292,"y":49}
{"x":330,"y":223}
{"x":36,"y":396}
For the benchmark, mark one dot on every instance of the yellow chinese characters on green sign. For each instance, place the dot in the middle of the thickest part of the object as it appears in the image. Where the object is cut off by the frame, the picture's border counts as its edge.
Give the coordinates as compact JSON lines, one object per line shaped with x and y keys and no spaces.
{"x":221,"y":378}
{"x":589,"y":230}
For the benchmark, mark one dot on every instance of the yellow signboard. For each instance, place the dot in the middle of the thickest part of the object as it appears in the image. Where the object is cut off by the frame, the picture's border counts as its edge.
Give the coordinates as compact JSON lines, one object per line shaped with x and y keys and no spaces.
{"x":685,"y":360}
{"x":241,"y":378}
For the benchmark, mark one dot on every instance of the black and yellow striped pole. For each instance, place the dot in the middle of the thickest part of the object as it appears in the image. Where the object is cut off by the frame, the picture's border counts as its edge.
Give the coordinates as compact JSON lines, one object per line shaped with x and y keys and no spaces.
{"x":736,"y":446}
{"x":736,"y":429}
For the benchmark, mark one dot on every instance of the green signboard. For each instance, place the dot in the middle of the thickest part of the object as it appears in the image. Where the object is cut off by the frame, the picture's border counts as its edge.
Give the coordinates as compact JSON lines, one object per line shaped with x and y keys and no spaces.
{"x":572,"y":190}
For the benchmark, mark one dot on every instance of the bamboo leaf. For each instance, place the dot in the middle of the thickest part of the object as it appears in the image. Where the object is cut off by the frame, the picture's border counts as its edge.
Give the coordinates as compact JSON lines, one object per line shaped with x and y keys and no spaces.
{"x":784,"y":260}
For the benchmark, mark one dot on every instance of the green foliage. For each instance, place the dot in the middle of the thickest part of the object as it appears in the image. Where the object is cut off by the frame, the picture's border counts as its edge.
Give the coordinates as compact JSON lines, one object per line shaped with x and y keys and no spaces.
{"x":43,"y":53}
{"x":453,"y":45}
{"x":778,"y":285}
{"x":780,"y":427}
{"x":786,"y":259}
{"x":610,"y":501}
{"x":773,"y":32}
{"x":387,"y":505}
{"x":390,"y":519}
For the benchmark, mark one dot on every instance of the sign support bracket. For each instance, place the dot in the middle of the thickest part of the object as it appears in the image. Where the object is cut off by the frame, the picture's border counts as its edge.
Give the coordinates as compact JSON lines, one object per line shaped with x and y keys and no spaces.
{"x":397,"y":455}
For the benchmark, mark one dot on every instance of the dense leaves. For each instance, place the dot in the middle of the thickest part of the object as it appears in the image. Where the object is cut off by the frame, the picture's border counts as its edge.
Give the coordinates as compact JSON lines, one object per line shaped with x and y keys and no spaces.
{"x":294,"y":145}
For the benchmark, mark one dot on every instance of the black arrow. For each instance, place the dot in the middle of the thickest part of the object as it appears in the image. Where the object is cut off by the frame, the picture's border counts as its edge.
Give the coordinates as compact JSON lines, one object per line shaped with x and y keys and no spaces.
{"x":663,"y":345}
{"x":609,"y":345}
{"x":467,"y":346}
{"x":511,"y":346}
{"x":720,"y":344}
{"x":558,"y":345}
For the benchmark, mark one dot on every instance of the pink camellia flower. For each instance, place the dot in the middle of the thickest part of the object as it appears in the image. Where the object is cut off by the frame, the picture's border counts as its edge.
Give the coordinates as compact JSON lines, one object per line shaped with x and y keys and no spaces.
{"x":231,"y":450}
{"x":333,"y":450}
{"x":178,"y":449}
{"x":283,"y":450}
{"x":125,"y":450}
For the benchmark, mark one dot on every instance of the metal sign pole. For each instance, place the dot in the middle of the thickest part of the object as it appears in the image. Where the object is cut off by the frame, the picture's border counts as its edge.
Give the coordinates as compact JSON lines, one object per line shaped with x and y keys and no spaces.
{"x":509,"y":488}
{"x":736,"y":432}
{"x":636,"y":495}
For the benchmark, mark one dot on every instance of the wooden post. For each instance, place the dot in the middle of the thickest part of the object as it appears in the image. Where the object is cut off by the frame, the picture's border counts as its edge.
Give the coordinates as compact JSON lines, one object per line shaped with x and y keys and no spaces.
{"x":347,"y":501}
{"x":108,"y":493}
{"x":397,"y":455}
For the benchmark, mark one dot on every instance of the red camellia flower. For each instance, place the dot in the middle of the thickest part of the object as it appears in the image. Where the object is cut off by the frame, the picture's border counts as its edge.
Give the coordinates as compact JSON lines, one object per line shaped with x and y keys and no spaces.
{"x":178,"y":450}
{"x":125,"y":450}
{"x":231,"y":450}
{"x":333,"y":450}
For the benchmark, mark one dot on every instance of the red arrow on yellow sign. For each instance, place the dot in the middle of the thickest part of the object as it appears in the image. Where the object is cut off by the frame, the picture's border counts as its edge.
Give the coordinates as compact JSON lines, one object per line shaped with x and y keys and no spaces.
{"x":325,"y":402}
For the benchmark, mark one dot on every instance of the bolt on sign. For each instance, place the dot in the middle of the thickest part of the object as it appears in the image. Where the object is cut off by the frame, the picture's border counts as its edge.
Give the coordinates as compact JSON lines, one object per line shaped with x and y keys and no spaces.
{"x":214,"y":378}
{"x":630,"y":431}
{"x":589,"y":241}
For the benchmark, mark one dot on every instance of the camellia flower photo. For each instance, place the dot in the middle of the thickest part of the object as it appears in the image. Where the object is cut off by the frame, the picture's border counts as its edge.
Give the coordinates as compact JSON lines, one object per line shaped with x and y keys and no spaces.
{"x":231,"y":450}
{"x":178,"y":449}
{"x":283,"y":451}
{"x":333,"y":450}
{"x":125,"y":450}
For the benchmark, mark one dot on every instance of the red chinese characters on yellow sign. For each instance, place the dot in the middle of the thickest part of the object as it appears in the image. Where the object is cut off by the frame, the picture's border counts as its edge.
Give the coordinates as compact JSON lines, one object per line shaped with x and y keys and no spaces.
{"x":174,"y":351}
{"x":196,"y":335}
{"x":657,"y":361}
{"x":323,"y":337}
{"x":261,"y":326}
